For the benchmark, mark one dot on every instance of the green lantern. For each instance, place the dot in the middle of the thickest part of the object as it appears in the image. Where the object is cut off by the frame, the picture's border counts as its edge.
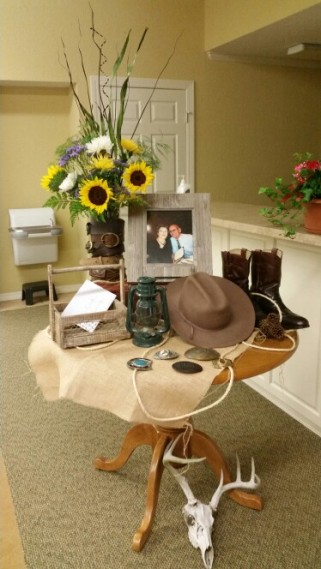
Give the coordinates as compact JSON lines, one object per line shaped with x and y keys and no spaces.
{"x":147,"y":313}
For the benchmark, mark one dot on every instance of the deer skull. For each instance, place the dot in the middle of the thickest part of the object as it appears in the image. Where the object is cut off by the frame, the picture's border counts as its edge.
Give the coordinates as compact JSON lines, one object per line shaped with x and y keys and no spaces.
{"x":199,"y":517}
{"x":199,"y":520}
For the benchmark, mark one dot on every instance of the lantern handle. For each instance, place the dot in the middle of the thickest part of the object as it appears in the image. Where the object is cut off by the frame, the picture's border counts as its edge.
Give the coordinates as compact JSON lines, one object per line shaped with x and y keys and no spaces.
{"x":129,"y":307}
{"x":162,"y":291}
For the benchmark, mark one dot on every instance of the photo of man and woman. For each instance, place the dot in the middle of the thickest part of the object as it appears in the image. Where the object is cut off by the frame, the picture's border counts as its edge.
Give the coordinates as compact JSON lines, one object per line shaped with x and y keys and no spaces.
{"x":169,"y":236}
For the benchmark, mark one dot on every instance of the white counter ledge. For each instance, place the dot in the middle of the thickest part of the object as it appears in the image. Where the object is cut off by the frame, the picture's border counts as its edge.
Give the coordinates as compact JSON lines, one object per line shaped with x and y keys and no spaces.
{"x":246,"y":217}
{"x":297,"y":390}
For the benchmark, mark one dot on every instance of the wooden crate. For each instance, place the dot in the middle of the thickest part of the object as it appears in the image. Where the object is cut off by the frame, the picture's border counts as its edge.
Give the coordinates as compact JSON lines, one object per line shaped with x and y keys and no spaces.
{"x":65,"y":330}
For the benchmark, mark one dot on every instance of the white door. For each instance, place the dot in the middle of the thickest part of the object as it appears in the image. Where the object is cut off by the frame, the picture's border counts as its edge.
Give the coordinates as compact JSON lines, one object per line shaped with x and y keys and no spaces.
{"x":168,"y":119}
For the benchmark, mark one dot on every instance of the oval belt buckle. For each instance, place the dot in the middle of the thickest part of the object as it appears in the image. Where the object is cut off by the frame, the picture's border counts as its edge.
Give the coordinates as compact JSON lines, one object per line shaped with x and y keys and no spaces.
{"x":187,"y":367}
{"x":165,"y":355}
{"x":110,"y":240}
{"x":139,"y":363}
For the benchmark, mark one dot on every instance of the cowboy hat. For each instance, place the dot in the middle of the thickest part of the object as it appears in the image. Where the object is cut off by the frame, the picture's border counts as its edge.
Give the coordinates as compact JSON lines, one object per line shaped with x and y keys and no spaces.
{"x":209,"y":312}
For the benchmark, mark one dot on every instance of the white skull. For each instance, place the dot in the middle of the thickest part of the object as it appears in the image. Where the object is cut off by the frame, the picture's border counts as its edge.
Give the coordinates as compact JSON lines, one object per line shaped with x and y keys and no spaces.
{"x":199,"y":520}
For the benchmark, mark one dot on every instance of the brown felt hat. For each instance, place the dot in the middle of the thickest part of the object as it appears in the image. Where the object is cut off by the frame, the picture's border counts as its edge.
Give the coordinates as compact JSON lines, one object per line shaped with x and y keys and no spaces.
{"x":209,"y":312}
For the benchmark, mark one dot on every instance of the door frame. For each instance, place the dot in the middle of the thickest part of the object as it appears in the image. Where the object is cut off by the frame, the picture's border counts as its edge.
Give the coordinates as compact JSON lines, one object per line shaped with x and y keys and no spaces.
{"x":170,"y":84}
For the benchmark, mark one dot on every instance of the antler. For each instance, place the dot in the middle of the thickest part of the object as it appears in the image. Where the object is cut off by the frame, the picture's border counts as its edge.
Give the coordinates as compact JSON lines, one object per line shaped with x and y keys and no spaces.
{"x":169,"y":457}
{"x":252,"y":483}
{"x":199,"y":517}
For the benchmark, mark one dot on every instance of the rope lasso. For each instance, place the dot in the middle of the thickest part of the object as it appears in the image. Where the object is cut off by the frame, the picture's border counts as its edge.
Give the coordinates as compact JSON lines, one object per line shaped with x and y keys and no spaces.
{"x":266,"y":349}
{"x":230,"y":382}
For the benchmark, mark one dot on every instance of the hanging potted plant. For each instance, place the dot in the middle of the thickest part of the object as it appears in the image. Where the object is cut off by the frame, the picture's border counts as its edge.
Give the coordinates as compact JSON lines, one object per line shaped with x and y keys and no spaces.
{"x":298,"y":203}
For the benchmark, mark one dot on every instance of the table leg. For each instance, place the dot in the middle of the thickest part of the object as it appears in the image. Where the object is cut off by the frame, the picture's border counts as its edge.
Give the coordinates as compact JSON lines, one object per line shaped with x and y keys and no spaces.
{"x":153,"y":485}
{"x":138,"y":435}
{"x":199,"y":445}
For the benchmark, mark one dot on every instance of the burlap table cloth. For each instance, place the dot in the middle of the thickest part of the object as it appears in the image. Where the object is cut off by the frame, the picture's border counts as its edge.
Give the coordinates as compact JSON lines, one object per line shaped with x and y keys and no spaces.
{"x":100,"y":378}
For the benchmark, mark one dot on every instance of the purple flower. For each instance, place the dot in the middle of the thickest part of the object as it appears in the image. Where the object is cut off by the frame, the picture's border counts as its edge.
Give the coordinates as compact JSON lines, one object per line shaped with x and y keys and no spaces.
{"x":71,"y":152}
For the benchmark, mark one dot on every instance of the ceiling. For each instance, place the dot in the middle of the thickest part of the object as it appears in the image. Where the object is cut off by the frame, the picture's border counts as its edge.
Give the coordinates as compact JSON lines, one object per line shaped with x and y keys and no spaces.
{"x":269,"y":45}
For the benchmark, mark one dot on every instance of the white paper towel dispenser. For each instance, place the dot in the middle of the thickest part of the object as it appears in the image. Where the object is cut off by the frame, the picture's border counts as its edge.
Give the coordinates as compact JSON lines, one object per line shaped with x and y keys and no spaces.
{"x":34,"y":235}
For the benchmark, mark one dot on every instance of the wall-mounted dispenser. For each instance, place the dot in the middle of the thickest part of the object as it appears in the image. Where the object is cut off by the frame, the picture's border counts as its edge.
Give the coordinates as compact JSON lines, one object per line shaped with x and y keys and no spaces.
{"x":34,"y":235}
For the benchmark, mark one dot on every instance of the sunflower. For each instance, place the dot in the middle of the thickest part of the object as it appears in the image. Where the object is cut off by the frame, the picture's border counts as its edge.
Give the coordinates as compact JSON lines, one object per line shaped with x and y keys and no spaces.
{"x":137,"y":177}
{"x":54,"y":177}
{"x":95,"y":194}
{"x":102,"y":163}
{"x":130,"y":145}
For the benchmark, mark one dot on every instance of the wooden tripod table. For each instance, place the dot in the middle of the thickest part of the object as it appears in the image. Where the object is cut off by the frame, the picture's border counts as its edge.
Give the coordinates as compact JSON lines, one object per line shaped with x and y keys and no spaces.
{"x":251,"y":363}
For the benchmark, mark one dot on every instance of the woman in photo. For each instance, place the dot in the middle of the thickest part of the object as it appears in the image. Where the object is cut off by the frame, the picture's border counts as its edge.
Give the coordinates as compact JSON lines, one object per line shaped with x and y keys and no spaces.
{"x":159,"y":249}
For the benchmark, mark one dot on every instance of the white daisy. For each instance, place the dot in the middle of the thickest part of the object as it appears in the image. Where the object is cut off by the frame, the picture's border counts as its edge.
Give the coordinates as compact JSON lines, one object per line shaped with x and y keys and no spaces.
{"x":98,"y":144}
{"x":69,"y":182}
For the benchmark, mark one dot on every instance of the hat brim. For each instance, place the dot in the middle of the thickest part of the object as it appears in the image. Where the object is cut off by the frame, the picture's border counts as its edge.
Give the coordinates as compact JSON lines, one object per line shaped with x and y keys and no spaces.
{"x":239,"y":328}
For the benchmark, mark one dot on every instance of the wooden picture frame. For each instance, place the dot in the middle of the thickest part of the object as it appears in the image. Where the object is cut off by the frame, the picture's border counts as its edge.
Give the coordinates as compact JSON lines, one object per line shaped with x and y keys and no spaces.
{"x":192,"y":213}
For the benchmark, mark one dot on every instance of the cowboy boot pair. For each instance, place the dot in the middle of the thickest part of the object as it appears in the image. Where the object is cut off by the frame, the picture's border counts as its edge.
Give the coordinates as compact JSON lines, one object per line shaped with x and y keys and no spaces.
{"x":265,"y":268}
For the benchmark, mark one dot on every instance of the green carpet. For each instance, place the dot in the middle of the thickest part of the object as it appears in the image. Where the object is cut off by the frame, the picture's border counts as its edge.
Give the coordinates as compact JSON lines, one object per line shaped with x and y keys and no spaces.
{"x":73,"y":516}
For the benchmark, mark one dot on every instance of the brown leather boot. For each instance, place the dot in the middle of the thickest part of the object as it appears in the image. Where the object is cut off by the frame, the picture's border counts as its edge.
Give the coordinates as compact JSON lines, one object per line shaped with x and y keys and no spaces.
{"x":236,"y":268}
{"x":266,"y":280}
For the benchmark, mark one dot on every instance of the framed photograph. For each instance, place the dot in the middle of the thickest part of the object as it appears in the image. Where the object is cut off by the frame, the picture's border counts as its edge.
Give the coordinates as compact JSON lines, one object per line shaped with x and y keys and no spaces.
{"x":169,"y":238}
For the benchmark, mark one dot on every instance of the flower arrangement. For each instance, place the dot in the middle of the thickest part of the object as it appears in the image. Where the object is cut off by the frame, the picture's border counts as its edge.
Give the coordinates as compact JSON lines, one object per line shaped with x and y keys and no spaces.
{"x":97,"y":171}
{"x":291,"y":199}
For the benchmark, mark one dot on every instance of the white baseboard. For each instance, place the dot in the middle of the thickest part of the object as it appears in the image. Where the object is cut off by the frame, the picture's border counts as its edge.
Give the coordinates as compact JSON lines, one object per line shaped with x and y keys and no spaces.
{"x":17,"y":295}
{"x":309,"y":424}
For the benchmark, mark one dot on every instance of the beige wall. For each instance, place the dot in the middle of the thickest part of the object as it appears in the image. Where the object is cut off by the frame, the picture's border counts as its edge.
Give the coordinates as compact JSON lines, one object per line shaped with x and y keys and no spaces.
{"x":250,"y":119}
